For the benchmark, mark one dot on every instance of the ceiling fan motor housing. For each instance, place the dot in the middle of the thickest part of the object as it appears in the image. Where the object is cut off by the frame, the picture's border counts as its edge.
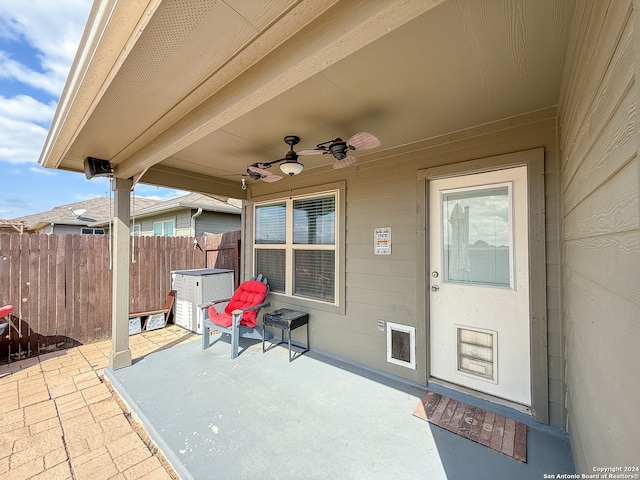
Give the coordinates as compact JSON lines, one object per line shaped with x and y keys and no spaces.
{"x":339,"y":149}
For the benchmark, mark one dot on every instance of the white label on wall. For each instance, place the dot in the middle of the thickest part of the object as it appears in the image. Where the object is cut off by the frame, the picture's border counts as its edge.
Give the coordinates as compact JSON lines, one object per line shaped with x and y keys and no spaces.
{"x":382,"y":241}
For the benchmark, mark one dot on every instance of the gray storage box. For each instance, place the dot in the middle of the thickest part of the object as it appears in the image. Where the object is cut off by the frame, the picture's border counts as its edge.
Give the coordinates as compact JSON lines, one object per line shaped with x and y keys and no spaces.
{"x":197,"y":286}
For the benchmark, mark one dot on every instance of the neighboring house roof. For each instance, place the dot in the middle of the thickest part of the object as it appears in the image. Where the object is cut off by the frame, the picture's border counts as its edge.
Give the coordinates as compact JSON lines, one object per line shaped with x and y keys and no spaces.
{"x":96,"y":211}
{"x":193,"y":201}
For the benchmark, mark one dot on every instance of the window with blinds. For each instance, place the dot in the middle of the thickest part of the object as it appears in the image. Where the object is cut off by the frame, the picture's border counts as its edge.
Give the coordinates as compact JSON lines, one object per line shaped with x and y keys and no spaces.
{"x":295,"y":246}
{"x":314,"y":274}
{"x":271,"y":263}
{"x":314,"y":221}
{"x":271,"y":224}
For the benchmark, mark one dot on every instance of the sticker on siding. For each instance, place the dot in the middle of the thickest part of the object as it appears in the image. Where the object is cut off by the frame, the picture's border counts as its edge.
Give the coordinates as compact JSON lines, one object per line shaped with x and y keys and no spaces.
{"x":382,"y":241}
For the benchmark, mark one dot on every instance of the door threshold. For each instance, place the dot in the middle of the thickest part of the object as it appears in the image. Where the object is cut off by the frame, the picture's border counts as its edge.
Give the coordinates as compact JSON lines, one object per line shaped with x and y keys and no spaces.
{"x":483,"y":396}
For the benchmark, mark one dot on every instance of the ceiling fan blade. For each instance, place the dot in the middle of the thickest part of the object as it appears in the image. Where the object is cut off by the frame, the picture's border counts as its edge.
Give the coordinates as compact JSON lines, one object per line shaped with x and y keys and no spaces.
{"x":315,"y":151}
{"x":345,"y":162}
{"x":265,"y":175}
{"x":363,"y":141}
{"x":271,"y":178}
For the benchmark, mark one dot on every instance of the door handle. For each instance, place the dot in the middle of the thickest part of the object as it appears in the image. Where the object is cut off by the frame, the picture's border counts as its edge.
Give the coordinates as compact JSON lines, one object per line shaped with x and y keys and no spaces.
{"x":435,"y":288}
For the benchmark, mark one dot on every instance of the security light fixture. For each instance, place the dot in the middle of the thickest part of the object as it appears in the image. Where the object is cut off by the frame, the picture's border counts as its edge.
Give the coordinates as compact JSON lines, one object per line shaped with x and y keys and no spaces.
{"x":95,"y":167}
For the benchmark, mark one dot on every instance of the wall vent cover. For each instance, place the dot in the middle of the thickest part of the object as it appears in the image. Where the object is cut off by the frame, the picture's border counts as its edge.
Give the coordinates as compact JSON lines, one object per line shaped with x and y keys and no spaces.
{"x":401,"y":345}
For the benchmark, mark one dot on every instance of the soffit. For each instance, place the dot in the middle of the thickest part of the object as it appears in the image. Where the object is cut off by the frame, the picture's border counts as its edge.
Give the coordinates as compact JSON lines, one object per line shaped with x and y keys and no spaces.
{"x":457,"y":65}
{"x":178,"y":50}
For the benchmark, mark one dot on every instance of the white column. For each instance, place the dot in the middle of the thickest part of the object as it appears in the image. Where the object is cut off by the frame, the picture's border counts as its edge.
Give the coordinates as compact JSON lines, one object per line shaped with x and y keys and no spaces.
{"x":120,"y":355}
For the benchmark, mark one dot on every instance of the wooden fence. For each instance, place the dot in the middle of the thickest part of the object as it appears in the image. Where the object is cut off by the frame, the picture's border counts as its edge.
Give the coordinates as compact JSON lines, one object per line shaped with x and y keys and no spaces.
{"x":60,"y":285}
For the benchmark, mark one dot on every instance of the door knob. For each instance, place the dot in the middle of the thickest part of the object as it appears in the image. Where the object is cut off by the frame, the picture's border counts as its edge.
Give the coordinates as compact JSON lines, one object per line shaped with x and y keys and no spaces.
{"x":435,"y":288}
{"x":434,"y":274}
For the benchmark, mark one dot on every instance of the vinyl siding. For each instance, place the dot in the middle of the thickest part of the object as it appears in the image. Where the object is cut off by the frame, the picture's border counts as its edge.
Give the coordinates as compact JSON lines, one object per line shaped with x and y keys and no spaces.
{"x":381,"y":192}
{"x":65,"y":229}
{"x":146,"y":224}
{"x":210,"y":222}
{"x":601,"y":235}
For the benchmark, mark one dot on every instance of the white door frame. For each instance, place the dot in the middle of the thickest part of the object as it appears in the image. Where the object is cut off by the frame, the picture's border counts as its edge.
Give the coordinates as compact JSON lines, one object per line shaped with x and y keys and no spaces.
{"x":534,"y":160}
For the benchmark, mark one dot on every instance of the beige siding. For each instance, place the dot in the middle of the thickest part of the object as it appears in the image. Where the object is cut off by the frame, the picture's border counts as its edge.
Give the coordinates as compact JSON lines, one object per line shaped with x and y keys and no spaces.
{"x":601,"y":246}
{"x":183,"y":224}
{"x":146,"y":224}
{"x":381,"y":192}
{"x":68,"y":229}
{"x":210,"y":222}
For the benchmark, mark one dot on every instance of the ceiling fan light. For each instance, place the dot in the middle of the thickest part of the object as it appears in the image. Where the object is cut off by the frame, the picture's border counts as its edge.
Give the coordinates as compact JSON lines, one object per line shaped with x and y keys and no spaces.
{"x":291,"y":167}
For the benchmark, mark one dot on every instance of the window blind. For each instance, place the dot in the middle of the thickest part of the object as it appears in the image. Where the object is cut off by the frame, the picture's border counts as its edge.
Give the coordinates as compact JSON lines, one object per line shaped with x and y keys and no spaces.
{"x":314,"y":221}
{"x":271,"y":224}
{"x":271,"y":264}
{"x":314,"y":275}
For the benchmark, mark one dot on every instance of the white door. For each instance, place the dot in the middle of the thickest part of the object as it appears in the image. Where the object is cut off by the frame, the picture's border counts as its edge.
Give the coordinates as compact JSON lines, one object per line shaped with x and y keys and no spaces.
{"x":479,"y":290}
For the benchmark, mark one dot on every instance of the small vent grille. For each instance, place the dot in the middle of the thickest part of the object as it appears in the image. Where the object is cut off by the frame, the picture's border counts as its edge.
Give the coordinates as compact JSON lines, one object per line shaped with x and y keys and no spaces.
{"x":401,"y":345}
{"x":476,"y":353}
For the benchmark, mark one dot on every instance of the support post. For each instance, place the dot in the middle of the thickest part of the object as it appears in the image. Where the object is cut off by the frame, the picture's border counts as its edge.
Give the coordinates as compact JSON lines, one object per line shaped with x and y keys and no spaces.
{"x":120,"y":355}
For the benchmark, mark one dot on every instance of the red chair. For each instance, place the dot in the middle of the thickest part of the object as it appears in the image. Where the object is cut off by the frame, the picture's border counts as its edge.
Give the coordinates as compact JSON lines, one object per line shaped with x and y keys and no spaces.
{"x":240,"y":314}
{"x":5,"y":320}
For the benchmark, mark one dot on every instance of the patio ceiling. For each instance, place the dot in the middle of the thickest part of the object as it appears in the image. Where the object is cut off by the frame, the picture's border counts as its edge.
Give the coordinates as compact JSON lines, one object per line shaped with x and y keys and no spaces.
{"x":187,"y":94}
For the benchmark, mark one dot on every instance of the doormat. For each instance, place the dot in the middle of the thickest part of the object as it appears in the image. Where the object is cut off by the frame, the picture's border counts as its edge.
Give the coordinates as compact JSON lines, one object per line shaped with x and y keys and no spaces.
{"x":499,"y":433}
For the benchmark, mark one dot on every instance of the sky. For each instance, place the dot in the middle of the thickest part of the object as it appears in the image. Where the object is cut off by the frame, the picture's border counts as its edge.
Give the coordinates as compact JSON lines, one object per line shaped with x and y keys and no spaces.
{"x":38,"y":41}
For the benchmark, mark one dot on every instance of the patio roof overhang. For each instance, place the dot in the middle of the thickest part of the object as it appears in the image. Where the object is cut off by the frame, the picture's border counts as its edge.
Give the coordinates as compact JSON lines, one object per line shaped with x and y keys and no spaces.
{"x":187,"y":95}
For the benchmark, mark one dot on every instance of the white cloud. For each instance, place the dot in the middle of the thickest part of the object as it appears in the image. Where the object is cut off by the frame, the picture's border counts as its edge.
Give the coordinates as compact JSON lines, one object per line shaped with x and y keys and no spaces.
{"x":81,"y":197}
{"x":42,"y":171}
{"x":25,"y":108}
{"x":20,"y":141}
{"x":10,"y":68}
{"x":52,"y":28}
{"x":157,"y":193}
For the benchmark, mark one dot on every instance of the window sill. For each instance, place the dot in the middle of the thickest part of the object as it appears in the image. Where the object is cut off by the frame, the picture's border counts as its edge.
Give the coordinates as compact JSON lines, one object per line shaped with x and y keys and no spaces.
{"x":306,"y":303}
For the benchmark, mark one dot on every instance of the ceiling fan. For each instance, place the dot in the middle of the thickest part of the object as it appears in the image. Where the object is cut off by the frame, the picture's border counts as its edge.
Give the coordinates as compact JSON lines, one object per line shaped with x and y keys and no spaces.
{"x":289,"y":164}
{"x":341,"y":149}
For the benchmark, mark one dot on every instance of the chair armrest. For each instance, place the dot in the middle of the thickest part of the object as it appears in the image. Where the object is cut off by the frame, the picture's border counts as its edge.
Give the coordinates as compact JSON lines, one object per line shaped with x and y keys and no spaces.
{"x":253,"y":307}
{"x":215,"y":302}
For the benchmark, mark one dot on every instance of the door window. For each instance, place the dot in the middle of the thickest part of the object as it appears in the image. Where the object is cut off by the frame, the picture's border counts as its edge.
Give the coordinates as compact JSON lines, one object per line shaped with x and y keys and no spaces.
{"x":477,"y":235}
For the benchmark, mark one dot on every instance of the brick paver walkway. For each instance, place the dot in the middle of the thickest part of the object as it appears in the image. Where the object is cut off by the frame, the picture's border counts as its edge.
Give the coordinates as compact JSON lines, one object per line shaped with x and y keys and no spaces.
{"x":60,"y":420}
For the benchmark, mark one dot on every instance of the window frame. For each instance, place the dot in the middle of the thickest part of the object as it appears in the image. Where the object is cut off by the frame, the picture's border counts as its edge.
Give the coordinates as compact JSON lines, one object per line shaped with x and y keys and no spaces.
{"x":163,"y":222}
{"x":338,"y":191}
{"x":91,"y":231}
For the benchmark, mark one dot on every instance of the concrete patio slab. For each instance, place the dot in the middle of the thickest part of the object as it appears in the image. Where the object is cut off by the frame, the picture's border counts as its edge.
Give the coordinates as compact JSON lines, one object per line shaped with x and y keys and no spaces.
{"x":259,"y":416}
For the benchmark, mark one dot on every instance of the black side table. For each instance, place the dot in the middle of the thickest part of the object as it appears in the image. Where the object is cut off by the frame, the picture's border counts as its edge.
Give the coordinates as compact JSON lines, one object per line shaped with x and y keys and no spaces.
{"x":288,"y":320}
